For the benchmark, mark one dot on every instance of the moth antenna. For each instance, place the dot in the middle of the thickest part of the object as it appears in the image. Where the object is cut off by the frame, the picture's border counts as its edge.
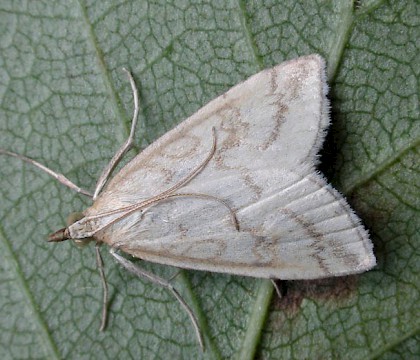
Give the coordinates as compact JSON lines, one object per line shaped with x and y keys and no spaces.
{"x":154,"y":201}
{"x":128,"y":143}
{"x":196,"y":171}
{"x":276,"y":288}
{"x":167,"y":192}
{"x":100,"y":265}
{"x":139,"y":272}
{"x":60,"y":177}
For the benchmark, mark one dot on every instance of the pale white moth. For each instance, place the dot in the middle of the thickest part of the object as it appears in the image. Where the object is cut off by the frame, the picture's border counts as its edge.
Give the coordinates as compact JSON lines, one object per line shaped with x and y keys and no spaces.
{"x":232,"y":189}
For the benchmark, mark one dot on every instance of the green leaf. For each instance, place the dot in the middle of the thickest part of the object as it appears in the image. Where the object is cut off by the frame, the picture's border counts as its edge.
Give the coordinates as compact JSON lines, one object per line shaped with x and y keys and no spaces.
{"x":66,"y":103}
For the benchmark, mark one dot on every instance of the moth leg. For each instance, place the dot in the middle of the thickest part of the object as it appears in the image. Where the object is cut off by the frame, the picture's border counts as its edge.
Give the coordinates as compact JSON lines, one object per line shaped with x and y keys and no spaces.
{"x":131,"y":267}
{"x":276,"y":288}
{"x":126,"y":146}
{"x":100,"y":265}
{"x":60,"y":177}
{"x":163,"y":195}
{"x":174,"y":275}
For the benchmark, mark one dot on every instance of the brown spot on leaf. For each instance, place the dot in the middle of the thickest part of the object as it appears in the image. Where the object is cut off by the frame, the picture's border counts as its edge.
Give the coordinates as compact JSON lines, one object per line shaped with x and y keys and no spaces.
{"x":331,"y":290}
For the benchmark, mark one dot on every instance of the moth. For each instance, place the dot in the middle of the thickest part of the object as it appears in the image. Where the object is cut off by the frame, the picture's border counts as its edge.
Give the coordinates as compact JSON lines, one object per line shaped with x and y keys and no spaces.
{"x":232,"y":189}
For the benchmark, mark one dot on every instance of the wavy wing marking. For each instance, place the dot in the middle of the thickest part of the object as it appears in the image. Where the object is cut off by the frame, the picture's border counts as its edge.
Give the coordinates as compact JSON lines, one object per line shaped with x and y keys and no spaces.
{"x":277,"y":116}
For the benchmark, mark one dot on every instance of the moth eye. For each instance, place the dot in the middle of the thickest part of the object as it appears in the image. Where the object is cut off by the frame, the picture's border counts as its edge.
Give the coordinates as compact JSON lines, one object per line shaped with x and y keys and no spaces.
{"x":74,"y":217}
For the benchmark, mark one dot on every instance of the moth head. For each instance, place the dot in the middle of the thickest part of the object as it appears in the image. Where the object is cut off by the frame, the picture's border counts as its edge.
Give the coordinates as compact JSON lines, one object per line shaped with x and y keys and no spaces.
{"x":63,"y":233}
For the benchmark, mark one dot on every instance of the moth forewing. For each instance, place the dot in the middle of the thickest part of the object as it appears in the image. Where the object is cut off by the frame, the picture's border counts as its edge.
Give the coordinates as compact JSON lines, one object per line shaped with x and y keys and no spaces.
{"x":232,"y":189}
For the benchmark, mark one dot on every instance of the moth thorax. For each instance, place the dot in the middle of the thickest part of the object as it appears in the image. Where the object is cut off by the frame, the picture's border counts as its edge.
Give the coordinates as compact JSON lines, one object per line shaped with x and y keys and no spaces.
{"x":71,"y":219}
